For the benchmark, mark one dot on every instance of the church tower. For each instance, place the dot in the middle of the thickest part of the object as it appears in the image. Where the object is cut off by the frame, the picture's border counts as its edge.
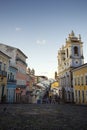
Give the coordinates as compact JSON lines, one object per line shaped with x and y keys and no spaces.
{"x":74,"y":50}
{"x":71,"y":55}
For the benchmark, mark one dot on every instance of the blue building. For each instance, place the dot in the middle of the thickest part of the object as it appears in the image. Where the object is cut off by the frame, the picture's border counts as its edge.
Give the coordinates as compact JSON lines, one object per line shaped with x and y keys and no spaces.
{"x":11,"y":84}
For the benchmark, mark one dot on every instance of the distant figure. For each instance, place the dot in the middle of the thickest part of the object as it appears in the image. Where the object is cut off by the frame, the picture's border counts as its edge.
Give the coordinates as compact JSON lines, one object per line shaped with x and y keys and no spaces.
{"x":50,"y":99}
{"x":47,"y":100}
{"x":57,"y":99}
{"x":53,"y":99}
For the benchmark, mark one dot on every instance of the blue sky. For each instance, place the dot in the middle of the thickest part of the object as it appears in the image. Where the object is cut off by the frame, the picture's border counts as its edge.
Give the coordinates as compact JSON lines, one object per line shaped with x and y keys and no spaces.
{"x":39,"y":28}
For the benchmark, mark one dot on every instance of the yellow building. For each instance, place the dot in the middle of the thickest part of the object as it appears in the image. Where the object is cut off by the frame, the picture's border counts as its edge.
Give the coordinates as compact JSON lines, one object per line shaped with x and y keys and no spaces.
{"x":80,"y":84}
{"x":4,"y":64}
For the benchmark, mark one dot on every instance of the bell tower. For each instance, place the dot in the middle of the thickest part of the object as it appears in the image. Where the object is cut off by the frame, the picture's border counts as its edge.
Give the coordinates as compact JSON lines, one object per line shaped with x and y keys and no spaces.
{"x":74,"y":50}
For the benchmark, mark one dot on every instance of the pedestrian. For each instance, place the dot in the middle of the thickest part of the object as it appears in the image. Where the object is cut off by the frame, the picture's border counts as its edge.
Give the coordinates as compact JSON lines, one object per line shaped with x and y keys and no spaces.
{"x":47,"y":100}
{"x":53,"y":99}
{"x":58,"y":99}
{"x":50,"y":99}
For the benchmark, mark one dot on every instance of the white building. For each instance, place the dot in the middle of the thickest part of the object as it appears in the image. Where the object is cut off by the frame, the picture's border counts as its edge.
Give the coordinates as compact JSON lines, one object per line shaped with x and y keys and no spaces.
{"x":18,"y":60}
{"x":69,"y":56}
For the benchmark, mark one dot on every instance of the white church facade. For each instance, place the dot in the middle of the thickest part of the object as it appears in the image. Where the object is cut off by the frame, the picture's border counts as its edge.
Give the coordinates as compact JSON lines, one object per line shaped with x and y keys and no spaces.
{"x":70,"y":56}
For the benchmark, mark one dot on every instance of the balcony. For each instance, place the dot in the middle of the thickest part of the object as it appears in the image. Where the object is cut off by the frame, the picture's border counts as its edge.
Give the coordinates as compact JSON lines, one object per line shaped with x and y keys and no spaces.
{"x":11,"y":81}
{"x":19,"y":59}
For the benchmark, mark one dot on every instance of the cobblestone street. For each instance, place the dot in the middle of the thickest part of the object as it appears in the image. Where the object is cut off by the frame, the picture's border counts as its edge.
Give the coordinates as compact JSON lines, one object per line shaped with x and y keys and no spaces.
{"x":43,"y":117}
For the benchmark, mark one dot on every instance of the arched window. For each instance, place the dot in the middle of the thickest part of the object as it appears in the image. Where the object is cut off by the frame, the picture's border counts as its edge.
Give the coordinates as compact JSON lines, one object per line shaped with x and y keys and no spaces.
{"x":75,"y":50}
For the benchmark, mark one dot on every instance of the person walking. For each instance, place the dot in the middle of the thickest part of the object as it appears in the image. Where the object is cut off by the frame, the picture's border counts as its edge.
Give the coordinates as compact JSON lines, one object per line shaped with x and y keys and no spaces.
{"x":50,"y":99}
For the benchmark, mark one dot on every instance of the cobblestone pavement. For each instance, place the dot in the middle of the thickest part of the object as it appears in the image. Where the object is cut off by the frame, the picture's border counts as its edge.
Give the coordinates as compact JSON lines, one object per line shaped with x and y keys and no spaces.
{"x":43,"y":117}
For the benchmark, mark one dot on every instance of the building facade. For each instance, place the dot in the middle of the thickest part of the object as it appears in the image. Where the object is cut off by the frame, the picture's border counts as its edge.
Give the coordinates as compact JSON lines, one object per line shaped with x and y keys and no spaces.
{"x":69,"y":57}
{"x":11,"y":84}
{"x":18,"y":60}
{"x":30,"y":81}
{"x":80,"y":84}
{"x":4,"y":64}
{"x":21,"y":75}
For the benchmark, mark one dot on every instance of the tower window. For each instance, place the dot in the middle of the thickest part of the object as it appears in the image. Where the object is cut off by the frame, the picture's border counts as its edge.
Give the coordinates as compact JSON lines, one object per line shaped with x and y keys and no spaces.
{"x":67,"y":52}
{"x":86,"y":79}
{"x":76,"y":50}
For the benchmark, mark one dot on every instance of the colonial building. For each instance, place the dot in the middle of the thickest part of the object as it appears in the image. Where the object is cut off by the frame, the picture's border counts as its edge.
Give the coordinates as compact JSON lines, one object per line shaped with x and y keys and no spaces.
{"x":18,"y":60}
{"x":80,"y":84}
{"x":4,"y":65}
{"x":69,"y":57}
{"x":11,"y":84}
{"x":30,"y":81}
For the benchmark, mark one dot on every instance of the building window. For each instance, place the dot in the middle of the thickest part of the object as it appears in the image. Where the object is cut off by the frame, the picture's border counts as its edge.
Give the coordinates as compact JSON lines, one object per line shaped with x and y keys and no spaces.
{"x":75,"y":50}
{"x":86,"y":79}
{"x":79,"y":96}
{"x":11,"y":76}
{"x":78,"y":81}
{"x":82,"y":96}
{"x":4,"y":67}
{"x":79,"y":93}
{"x":8,"y":76}
{"x":86,"y":96}
{"x":0,"y":65}
{"x":76,"y":95}
{"x":81,"y":80}
{"x":86,"y":93}
{"x":75,"y":81}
